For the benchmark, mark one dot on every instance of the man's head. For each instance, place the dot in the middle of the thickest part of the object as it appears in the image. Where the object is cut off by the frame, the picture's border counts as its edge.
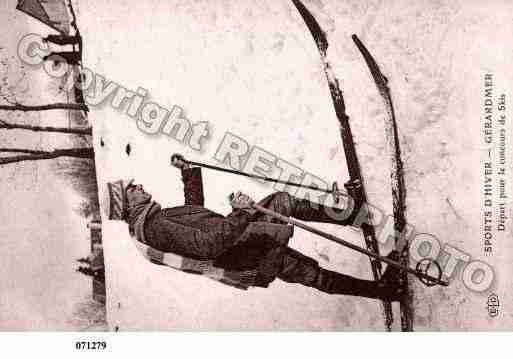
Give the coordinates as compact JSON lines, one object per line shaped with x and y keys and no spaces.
{"x":136,"y":195}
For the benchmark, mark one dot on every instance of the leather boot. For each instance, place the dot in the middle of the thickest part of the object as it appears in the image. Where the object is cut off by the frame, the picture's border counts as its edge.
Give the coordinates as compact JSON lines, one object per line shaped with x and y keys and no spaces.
{"x":305,"y":210}
{"x":337,"y":283}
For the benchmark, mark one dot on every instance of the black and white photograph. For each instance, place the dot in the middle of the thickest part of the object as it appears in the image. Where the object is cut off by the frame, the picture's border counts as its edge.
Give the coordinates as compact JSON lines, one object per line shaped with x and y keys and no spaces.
{"x":256,"y":166}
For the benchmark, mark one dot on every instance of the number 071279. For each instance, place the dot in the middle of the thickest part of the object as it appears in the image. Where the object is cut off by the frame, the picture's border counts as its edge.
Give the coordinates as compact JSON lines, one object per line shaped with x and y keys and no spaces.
{"x":90,"y":345}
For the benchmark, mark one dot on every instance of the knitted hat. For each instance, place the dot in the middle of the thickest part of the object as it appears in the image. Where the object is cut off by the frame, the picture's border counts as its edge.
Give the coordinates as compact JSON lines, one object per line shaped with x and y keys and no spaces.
{"x":117,"y":199}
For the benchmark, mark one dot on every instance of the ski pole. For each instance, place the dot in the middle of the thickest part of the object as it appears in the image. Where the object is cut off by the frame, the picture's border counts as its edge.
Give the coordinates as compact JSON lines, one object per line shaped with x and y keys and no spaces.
{"x":334,"y":189}
{"x":425,"y":278}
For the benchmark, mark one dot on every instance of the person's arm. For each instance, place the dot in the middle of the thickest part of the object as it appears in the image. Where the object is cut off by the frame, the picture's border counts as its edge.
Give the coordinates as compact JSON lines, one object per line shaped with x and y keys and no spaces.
{"x":193,"y":186}
{"x":192,"y":181}
{"x":186,"y":241}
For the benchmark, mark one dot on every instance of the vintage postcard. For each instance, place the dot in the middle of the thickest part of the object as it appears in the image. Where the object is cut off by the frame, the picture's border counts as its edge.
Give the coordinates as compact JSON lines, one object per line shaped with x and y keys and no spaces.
{"x":265,"y":165}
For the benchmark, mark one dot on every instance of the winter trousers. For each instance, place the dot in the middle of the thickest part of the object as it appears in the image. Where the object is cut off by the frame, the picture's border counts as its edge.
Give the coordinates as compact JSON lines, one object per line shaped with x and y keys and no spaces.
{"x":298,"y":268}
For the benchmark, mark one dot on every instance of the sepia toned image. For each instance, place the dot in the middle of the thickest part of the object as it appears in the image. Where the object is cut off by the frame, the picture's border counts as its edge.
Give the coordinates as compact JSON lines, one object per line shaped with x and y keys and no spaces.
{"x":265,"y":165}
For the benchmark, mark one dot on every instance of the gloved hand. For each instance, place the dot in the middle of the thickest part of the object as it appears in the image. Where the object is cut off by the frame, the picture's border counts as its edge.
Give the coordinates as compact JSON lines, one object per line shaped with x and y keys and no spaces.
{"x":239,"y":200}
{"x":179,"y":161}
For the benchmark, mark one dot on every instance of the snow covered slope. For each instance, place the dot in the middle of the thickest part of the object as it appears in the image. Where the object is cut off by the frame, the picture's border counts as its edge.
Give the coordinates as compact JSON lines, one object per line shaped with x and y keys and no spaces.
{"x":251,"y":71}
{"x":42,"y":232}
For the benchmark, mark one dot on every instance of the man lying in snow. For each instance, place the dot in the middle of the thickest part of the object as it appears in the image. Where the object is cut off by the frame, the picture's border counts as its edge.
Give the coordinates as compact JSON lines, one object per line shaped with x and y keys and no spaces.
{"x":243,"y":240}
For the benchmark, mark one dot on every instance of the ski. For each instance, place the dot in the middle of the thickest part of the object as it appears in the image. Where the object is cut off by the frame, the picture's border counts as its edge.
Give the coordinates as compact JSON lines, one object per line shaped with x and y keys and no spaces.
{"x":396,"y":177}
{"x":355,"y":185}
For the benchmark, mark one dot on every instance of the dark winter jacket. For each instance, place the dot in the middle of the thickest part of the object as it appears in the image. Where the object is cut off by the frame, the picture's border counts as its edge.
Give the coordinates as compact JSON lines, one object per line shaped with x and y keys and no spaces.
{"x":234,"y":242}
